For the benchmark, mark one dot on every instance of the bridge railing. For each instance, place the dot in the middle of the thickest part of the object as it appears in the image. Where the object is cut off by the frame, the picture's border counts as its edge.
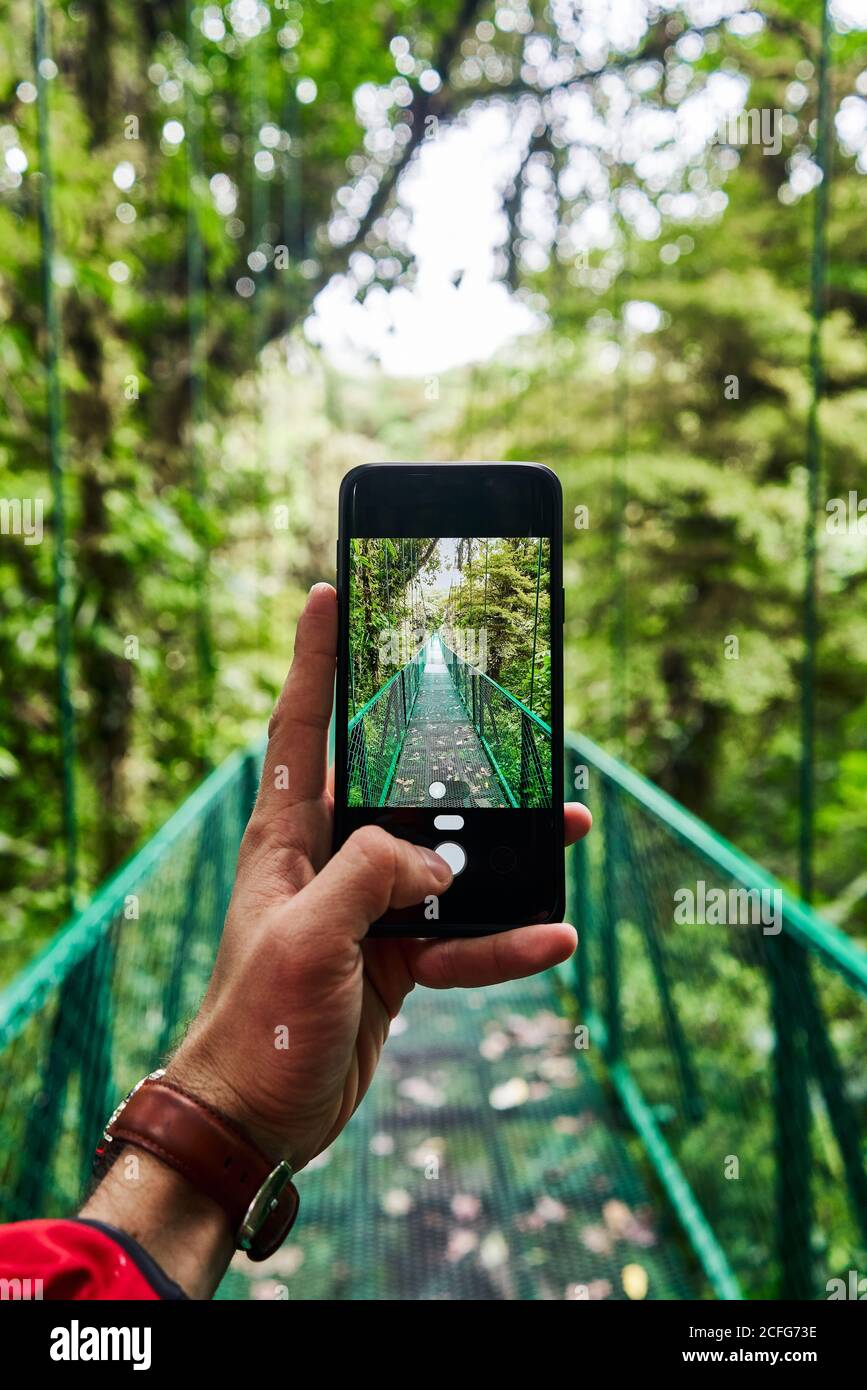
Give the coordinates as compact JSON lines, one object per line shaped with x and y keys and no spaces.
{"x":377,"y":733}
{"x":110,"y":994}
{"x":515,"y":739}
{"x":732,"y":1022}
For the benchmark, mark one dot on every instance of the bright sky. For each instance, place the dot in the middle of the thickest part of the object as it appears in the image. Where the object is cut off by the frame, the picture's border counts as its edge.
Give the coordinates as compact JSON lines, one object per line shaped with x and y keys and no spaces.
{"x":447,"y":553}
{"x":457,"y":310}
{"x":452,"y":194}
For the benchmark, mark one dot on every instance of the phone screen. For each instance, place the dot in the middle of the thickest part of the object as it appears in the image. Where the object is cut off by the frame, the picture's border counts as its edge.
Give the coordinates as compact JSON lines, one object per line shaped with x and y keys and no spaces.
{"x":449,"y":688}
{"x":450,"y":672}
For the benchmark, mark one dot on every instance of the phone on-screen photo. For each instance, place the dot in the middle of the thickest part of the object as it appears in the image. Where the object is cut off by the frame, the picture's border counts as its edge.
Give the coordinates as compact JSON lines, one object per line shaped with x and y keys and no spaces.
{"x":449,"y":704}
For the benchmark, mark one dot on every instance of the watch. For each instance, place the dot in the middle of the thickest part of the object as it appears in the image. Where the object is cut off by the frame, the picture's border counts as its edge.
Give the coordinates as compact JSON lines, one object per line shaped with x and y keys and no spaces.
{"x":213,"y":1153}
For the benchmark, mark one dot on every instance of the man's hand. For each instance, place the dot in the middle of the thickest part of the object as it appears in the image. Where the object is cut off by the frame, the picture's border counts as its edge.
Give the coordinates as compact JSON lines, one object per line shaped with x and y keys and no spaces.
{"x":299,"y":1005}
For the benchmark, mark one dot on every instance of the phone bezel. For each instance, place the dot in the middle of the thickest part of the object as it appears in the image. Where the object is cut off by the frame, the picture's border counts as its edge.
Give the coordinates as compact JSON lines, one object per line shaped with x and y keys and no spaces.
{"x":384,"y":486}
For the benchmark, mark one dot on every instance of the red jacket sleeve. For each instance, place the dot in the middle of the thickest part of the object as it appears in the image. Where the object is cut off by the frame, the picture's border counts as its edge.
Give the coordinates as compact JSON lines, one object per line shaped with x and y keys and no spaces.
{"x":78,"y":1260}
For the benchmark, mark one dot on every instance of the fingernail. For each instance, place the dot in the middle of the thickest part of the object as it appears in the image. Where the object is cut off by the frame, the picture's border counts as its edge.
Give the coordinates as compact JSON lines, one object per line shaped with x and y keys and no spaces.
{"x":437,"y":865}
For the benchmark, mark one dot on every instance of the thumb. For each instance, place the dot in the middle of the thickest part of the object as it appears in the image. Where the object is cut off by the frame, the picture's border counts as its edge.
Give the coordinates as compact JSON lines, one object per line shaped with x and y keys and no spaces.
{"x":372,"y":872}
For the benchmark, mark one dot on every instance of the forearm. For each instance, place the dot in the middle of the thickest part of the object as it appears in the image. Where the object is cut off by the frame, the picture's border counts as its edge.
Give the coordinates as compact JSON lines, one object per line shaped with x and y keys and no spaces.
{"x":185,"y":1232}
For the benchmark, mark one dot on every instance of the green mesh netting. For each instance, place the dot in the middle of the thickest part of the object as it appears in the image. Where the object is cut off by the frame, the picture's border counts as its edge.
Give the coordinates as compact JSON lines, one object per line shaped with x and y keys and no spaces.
{"x":746,"y":1037}
{"x":112,"y":993}
{"x":484,"y":1164}
{"x":516,"y":742}
{"x":719,"y":1086}
{"x":376,"y":735}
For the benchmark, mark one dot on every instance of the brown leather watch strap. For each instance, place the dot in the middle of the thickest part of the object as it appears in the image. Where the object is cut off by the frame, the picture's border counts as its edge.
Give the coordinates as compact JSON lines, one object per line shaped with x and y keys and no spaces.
{"x":214,"y":1154}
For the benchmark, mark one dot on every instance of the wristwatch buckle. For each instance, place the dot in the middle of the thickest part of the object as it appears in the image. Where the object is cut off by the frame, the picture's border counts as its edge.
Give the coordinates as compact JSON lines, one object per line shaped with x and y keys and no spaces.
{"x":263,"y":1204}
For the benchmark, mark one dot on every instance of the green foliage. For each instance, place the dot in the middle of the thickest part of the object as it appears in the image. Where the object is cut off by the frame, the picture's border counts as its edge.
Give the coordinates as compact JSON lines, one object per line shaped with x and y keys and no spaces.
{"x":200,"y":470}
{"x":194,"y":526}
{"x":387,"y":618}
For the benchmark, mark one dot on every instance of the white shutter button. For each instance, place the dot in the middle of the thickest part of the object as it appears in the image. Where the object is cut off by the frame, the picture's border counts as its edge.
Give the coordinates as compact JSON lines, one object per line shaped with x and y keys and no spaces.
{"x":453,"y":854}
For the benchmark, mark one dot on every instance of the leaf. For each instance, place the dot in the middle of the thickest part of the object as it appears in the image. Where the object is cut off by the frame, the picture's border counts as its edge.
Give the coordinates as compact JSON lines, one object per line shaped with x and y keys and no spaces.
{"x":635,"y":1281}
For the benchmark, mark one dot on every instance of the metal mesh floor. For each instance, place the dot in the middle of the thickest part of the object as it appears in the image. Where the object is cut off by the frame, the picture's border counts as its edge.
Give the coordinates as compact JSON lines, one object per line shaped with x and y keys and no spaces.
{"x":482,"y":1165}
{"x":442,"y":746}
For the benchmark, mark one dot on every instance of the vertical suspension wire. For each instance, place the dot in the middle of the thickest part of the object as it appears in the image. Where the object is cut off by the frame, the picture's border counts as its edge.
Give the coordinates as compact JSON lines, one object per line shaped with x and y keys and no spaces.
{"x":619,"y":495}
{"x":195,"y":328}
{"x":402,"y":596}
{"x":818,"y":268}
{"x":413,"y":550}
{"x":470,"y":570}
{"x":258,"y":218}
{"x":293,"y":230}
{"x":485,"y":608}
{"x":57,"y":461}
{"x":536,"y":621}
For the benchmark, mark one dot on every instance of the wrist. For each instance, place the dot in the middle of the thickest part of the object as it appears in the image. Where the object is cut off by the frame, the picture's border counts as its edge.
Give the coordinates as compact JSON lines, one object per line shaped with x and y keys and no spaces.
{"x":184,"y":1230}
{"x":192,"y":1067}
{"x":208,"y":1148}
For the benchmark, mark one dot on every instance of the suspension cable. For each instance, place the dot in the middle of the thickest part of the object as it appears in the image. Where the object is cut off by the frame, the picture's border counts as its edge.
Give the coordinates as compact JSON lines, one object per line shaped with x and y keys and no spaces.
{"x":814,"y":466}
{"x":619,"y":496}
{"x":195,"y":326}
{"x":57,"y":461}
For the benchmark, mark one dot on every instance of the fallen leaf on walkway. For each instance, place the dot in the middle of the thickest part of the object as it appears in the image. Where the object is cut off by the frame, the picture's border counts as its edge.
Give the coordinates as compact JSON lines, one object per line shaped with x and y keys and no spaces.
{"x":382,"y":1145}
{"x":550,"y":1209}
{"x":634,"y":1280}
{"x":626,"y":1224}
{"x":396,"y":1202}
{"x":494,"y":1045}
{"x":559,"y":1069}
{"x":461,"y":1242}
{"x":617,"y":1217}
{"x":597,"y":1239}
{"x":466,"y":1206}
{"x":420,"y":1090}
{"x":510,"y":1093}
{"x":494,"y":1250}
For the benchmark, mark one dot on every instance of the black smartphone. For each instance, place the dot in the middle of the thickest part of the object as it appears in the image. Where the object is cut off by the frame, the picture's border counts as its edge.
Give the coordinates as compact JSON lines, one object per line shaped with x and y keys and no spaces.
{"x":449,"y":706}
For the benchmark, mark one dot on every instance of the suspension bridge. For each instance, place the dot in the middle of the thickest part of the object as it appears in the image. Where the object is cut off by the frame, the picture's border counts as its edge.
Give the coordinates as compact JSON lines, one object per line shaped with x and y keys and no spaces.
{"x":441,"y":732}
{"x":678,"y":1112}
